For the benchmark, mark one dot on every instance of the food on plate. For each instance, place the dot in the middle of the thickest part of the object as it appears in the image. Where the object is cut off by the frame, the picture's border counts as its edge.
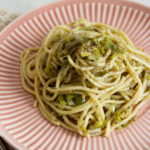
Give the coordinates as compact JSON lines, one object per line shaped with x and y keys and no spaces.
{"x":87,"y":77}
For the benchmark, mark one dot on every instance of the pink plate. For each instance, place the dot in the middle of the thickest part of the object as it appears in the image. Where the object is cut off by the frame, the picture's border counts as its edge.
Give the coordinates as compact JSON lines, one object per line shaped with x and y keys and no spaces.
{"x":20,"y":123}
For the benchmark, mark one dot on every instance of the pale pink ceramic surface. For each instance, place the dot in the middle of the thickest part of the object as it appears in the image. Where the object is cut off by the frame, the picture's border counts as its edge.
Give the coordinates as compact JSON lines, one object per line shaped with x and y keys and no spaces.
{"x":20,"y":123}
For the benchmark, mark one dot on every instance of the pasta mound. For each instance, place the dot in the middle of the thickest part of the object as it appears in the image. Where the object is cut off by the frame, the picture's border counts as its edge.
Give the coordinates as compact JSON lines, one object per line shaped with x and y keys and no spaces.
{"x":87,"y":77}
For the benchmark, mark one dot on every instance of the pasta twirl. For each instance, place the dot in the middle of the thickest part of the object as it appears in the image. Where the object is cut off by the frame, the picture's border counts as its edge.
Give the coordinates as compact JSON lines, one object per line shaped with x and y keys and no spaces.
{"x":87,"y":77}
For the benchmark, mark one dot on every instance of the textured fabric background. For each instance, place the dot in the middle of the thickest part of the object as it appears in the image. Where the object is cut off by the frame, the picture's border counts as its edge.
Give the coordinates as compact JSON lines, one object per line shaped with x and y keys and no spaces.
{"x":6,"y":16}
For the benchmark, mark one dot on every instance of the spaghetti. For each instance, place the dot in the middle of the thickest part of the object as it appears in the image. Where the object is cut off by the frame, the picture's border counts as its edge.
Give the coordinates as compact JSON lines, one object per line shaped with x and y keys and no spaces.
{"x":87,"y":77}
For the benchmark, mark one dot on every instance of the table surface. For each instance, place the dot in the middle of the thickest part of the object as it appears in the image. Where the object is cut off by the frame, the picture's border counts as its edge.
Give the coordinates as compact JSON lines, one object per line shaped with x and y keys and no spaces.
{"x":23,"y":6}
